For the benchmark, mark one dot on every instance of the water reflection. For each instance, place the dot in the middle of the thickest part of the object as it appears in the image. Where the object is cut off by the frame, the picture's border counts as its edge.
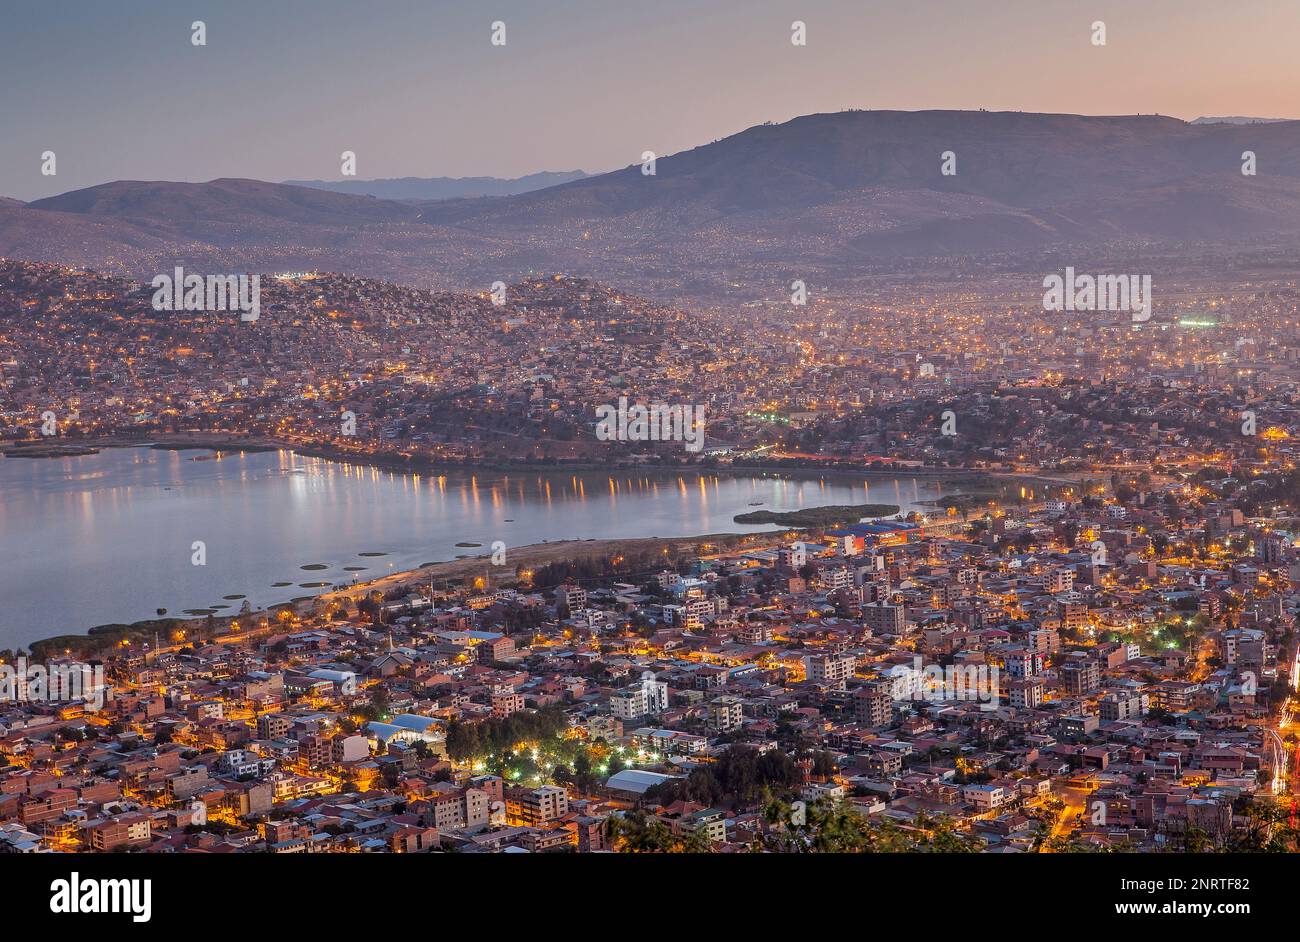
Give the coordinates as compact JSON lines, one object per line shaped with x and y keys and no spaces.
{"x":107,"y":538}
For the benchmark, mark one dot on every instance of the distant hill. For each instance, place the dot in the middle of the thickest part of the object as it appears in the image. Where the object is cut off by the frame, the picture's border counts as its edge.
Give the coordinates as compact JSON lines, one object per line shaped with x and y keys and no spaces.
{"x":208,"y":210}
{"x":830,"y":194}
{"x":839,"y":190}
{"x":141,"y":228}
{"x":443,"y":188}
{"x":1238,"y":119}
{"x":1054,"y":166}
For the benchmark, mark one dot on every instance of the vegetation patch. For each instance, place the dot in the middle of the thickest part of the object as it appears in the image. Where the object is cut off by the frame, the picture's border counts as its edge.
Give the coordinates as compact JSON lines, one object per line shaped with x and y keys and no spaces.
{"x":818,"y":516}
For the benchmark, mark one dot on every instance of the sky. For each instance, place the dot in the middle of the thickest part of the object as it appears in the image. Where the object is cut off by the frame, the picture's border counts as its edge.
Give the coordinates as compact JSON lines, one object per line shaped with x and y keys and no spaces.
{"x":415,"y":87}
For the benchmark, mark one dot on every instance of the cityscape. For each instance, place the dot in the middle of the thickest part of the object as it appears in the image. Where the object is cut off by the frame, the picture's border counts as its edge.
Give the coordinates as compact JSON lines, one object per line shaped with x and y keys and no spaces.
{"x":862,"y":481}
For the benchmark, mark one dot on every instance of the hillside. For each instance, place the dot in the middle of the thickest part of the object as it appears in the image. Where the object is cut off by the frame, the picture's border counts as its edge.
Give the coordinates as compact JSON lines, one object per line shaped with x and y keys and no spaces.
{"x":443,"y":188}
{"x":826,"y":193}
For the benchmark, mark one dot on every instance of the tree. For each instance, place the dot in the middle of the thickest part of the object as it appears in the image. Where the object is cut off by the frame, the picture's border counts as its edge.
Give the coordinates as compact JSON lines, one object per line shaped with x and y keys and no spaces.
{"x":379,"y":701}
{"x":828,"y":827}
{"x":637,"y":832}
{"x":584,"y":776}
{"x":1266,"y":830}
{"x":824,"y":764}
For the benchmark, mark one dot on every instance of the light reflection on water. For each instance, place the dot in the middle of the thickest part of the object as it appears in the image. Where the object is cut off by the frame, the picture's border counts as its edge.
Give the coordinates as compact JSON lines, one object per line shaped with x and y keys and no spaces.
{"x":107,"y":538}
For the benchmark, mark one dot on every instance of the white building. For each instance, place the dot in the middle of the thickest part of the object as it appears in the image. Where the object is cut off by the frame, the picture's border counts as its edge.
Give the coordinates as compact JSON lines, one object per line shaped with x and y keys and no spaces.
{"x":984,"y":797}
{"x":793,"y":557}
{"x":649,"y":698}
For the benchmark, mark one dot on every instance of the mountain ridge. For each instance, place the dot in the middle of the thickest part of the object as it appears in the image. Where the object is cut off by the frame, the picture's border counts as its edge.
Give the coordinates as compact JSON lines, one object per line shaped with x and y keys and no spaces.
{"x":826,"y":192}
{"x":441,"y":188}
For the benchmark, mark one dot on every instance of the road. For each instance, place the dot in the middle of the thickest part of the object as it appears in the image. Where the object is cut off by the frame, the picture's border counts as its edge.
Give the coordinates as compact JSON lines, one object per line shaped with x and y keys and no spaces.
{"x":1076,"y":802}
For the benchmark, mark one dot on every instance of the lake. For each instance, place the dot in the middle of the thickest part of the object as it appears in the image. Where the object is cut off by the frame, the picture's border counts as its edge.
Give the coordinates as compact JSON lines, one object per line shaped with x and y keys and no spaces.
{"x":110,"y":537}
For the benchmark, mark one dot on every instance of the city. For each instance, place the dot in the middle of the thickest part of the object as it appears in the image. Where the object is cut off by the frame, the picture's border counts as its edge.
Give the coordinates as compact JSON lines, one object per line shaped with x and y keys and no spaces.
{"x":1133,"y":592}
{"x":889,"y":444}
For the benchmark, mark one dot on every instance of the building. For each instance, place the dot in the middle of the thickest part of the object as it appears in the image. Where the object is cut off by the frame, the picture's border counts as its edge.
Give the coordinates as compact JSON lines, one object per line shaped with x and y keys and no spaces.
{"x":873,"y":704}
{"x":410,"y":728}
{"x":1045,"y":641}
{"x":572,"y":598}
{"x":413,"y":840}
{"x":1081,"y":675}
{"x":123,"y":830}
{"x":792,"y":558}
{"x":883,"y":618}
{"x":1020,"y":662}
{"x":725,"y":714}
{"x":537,"y":807}
{"x":831,"y":669}
{"x":636,"y":782}
{"x":985,"y":797}
{"x":1058,"y":580}
{"x":591,"y":835}
{"x":649,"y":698}
{"x":1026,"y":694}
{"x":1123,"y":706}
{"x":503,"y":704}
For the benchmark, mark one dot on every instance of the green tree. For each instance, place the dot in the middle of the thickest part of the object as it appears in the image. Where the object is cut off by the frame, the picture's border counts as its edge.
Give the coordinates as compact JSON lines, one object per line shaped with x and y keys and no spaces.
{"x":636,"y":832}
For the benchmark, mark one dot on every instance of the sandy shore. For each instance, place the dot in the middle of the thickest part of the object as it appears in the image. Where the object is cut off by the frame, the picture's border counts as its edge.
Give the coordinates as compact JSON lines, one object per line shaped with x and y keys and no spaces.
{"x":535,"y":555}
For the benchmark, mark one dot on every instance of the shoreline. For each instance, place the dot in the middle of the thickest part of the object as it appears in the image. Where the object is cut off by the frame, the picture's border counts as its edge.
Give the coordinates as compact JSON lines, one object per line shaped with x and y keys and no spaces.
{"x":533,"y":555}
{"x":411,"y":464}
{"x":528,"y":555}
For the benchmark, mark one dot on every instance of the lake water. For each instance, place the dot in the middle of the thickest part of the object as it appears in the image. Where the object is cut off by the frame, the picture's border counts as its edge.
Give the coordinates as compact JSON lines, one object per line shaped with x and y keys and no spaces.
{"x":109,"y":537}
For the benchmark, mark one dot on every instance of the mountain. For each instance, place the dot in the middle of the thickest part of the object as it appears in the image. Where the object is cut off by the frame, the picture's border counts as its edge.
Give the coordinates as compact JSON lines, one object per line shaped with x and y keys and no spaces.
{"x":831,"y":194}
{"x":141,"y":228}
{"x":443,"y":188}
{"x":884,"y":167}
{"x":224,"y":212}
{"x":1239,"y":119}
{"x":826,"y":196}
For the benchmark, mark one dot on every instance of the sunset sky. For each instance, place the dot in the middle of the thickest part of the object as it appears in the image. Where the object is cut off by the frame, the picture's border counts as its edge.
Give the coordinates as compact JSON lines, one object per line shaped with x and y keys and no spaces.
{"x":415,"y":88}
